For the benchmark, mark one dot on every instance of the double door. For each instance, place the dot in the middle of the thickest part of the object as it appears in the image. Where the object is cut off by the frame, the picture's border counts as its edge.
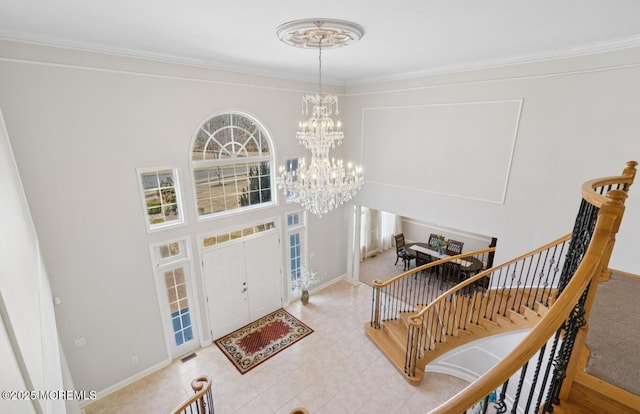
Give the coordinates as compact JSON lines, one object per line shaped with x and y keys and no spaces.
{"x":243,"y":282}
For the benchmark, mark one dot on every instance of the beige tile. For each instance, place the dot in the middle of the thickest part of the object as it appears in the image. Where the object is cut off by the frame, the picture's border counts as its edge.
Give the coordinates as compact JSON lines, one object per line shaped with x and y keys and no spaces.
{"x":334,"y":370}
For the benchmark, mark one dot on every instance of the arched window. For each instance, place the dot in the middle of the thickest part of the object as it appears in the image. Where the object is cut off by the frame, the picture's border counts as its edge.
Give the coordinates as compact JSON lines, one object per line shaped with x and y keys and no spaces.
{"x":231,"y":161}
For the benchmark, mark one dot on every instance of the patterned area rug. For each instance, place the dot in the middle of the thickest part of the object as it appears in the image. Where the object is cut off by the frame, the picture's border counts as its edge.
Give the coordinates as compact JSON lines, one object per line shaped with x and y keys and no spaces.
{"x":258,"y":341}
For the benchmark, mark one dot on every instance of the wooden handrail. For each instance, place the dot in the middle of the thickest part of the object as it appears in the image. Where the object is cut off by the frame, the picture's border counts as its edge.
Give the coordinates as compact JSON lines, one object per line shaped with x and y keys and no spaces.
{"x":595,"y":259}
{"x":201,"y":386}
{"x":627,"y":177}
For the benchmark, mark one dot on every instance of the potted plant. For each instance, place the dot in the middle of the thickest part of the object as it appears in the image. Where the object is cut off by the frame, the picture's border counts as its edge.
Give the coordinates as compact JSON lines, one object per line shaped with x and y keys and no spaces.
{"x":440,"y":245}
{"x":307,"y":279}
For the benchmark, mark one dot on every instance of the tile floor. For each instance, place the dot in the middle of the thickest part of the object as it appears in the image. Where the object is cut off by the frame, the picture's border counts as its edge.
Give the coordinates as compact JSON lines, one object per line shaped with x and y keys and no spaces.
{"x":334,"y":370}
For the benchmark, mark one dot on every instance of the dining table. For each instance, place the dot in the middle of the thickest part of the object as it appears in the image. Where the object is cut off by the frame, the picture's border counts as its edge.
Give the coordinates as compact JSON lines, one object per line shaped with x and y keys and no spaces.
{"x":469,"y":265}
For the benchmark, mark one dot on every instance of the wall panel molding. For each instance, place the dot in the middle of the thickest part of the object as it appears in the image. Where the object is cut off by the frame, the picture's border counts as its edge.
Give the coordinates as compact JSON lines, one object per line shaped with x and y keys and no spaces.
{"x":428,"y":147}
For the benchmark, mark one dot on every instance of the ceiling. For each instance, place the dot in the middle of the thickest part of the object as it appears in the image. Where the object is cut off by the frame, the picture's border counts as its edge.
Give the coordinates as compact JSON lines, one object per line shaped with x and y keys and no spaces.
{"x":405,"y":38}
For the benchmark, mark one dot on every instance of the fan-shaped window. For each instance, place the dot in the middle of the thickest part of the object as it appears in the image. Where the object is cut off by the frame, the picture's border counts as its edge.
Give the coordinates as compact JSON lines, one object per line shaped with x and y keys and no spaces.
{"x":231,"y":161}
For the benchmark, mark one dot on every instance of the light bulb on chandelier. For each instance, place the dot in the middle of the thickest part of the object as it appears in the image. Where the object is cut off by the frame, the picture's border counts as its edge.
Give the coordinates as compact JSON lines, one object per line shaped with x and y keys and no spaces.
{"x":324,"y":184}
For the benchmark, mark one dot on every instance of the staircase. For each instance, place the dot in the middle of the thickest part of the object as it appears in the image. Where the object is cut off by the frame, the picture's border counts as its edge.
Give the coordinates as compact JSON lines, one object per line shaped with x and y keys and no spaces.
{"x":491,"y":302}
{"x":467,"y":324}
{"x":416,"y":319}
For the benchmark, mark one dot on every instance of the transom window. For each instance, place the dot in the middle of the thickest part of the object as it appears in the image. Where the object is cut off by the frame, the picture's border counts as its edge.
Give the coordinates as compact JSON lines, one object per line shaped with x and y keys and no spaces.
{"x":212,"y":240}
{"x":232,"y":161}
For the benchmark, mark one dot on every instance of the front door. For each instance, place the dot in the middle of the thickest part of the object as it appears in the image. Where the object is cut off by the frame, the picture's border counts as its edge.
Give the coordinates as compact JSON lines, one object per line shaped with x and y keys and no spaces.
{"x":264,"y":278}
{"x":226,"y":286}
{"x":243,"y":282}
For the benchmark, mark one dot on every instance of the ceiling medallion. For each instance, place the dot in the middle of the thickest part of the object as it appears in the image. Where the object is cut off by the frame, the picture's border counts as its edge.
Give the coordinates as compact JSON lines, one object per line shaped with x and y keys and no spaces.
{"x":309,"y":33}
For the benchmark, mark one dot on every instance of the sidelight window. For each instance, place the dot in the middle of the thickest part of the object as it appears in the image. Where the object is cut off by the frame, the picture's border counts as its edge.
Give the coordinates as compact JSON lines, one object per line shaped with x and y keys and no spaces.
{"x":296,"y":239}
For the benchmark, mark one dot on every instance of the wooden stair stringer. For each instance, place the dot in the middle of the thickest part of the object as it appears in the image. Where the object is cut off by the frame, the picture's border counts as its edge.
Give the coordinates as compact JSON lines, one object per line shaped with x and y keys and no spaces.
{"x":477,"y":331}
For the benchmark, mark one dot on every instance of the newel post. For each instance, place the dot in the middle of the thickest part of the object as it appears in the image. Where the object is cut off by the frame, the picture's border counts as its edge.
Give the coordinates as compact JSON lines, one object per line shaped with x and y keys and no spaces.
{"x":411,"y":357}
{"x":376,"y":304}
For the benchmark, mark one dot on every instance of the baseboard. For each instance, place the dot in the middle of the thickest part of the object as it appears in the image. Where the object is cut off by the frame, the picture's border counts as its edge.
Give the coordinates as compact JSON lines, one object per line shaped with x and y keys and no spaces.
{"x":318,"y":288}
{"x":593,"y":392}
{"x":620,"y":272}
{"x":329,"y":283}
{"x":128,"y":381}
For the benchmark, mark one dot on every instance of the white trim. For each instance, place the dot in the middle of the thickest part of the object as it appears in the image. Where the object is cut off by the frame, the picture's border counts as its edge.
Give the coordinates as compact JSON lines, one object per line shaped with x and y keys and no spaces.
{"x":591,"y":49}
{"x":196,"y":65}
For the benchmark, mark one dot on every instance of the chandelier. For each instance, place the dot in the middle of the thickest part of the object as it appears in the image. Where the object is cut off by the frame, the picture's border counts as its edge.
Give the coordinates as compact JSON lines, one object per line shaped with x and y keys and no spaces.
{"x":323,"y":184}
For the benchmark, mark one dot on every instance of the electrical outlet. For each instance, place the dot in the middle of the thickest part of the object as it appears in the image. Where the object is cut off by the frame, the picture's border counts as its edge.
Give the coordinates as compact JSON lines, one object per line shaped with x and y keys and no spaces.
{"x":80,"y":341}
{"x":134,"y":359}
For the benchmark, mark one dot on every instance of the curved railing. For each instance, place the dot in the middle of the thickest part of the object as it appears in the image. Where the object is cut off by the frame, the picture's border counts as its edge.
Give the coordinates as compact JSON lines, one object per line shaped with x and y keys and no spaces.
{"x":550,"y":344}
{"x":495,"y":295}
{"x":201,"y":402}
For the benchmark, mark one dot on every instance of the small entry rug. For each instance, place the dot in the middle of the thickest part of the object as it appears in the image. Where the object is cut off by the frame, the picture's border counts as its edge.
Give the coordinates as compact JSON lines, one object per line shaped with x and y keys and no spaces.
{"x":258,"y":341}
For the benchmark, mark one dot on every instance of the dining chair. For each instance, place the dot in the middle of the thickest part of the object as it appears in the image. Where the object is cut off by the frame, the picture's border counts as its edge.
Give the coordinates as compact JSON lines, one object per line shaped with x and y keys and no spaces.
{"x":402,"y":252}
{"x":433,"y":237}
{"x":423,"y":258}
{"x":454,"y":247}
{"x":450,"y":272}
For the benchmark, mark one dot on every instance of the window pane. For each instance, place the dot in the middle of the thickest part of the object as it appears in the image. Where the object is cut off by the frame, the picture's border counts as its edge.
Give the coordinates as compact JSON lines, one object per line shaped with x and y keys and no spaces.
{"x":168,"y":279}
{"x":179,"y":276}
{"x":172,"y":294}
{"x":149,"y":180}
{"x":174,"y":248}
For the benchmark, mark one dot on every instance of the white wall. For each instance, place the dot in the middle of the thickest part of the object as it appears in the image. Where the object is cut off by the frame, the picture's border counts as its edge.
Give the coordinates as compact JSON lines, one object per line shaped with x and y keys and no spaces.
{"x":29,"y":353}
{"x":578,"y":121}
{"x":81,"y":124}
